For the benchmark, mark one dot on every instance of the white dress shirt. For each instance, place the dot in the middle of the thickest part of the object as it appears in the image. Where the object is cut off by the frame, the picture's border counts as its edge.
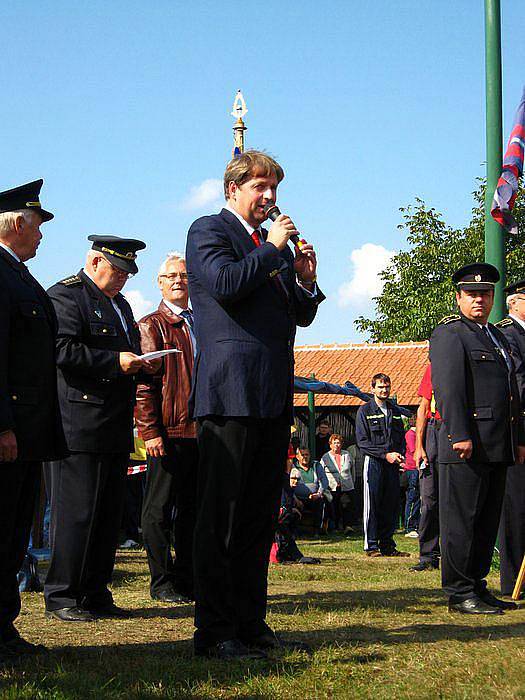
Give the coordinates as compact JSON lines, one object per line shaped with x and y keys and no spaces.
{"x":5,"y":247}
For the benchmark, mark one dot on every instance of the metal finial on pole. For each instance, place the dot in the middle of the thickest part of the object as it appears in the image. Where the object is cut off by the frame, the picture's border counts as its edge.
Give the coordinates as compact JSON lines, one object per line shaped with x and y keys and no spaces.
{"x":239,"y":110}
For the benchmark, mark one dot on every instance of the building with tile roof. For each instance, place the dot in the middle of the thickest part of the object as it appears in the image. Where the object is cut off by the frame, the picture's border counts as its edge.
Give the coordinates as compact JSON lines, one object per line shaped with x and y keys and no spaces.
{"x":357,"y":362}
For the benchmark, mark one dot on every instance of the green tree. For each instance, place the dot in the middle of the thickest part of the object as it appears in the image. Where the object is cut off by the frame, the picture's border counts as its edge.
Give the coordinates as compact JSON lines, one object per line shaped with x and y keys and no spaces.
{"x":418,"y":290}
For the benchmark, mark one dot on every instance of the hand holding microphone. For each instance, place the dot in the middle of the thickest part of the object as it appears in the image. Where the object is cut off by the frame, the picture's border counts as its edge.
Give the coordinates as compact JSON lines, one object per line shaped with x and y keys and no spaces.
{"x":282,"y":230}
{"x":284,"y":226}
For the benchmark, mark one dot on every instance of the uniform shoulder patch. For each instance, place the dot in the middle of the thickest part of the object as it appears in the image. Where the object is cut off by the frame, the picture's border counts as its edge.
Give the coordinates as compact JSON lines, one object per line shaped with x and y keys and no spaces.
{"x":449,"y":319}
{"x":504,"y":322}
{"x":69,"y":281}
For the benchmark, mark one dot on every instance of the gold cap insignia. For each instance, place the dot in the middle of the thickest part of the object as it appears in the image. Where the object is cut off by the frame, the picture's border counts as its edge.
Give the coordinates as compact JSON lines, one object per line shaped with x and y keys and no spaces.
{"x":33,"y":204}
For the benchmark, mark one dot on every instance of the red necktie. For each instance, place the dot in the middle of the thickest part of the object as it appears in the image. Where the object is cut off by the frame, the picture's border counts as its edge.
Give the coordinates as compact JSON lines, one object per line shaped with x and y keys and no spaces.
{"x":256,"y":238}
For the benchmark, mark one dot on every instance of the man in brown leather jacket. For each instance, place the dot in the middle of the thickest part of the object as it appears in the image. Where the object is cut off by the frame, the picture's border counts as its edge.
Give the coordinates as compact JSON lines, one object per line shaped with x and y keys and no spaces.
{"x":165,"y":425}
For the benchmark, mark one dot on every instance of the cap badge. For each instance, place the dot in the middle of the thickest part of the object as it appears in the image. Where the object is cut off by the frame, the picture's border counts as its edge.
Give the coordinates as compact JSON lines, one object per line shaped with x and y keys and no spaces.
{"x":477,"y":278}
{"x":33,"y":204}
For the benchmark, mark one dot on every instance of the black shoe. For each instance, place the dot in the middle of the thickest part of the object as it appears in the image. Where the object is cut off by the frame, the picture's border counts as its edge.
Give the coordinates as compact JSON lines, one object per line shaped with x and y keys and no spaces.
{"x":75,"y":614}
{"x":395,"y":553}
{"x":490,"y":599}
{"x":230,"y":650}
{"x":170,"y":596}
{"x":269,"y":641}
{"x":110,"y":611}
{"x":474,"y":606}
{"x":19,"y":647}
{"x":425,"y":566}
{"x":308,"y":560}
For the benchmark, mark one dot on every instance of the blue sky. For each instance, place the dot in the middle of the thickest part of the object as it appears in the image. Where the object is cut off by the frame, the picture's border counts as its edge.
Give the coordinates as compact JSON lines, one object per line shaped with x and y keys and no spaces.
{"x":123,"y":108}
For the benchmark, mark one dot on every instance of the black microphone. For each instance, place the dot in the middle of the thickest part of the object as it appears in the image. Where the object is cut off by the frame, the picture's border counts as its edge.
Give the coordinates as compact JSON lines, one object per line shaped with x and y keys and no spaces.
{"x":272,"y":212}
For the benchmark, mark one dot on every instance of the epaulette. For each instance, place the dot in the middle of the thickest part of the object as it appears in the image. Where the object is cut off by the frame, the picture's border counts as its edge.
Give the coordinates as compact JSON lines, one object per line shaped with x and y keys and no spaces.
{"x":69,"y":281}
{"x":504,"y":322}
{"x":449,"y":319}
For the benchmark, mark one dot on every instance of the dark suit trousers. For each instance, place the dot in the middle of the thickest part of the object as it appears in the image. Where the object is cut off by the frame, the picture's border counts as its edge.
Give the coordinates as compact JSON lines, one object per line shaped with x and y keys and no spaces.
{"x":512,"y":528}
{"x":87,"y":493}
{"x":20,"y":485}
{"x":169,"y":513}
{"x":470,"y":498}
{"x":429,"y":492}
{"x":241,"y":466}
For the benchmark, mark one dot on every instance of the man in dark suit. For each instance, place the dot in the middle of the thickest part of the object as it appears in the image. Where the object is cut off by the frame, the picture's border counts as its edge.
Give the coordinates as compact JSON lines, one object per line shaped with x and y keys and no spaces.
{"x":30,"y":429}
{"x":512,"y":527}
{"x":97,"y":356}
{"x":248,"y":294}
{"x":482,"y":433}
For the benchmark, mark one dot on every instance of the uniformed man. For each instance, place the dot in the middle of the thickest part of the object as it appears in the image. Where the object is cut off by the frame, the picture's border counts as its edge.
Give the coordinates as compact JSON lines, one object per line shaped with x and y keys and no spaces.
{"x":512,"y":526}
{"x":473,"y":375}
{"x":30,"y":429}
{"x":97,"y":356}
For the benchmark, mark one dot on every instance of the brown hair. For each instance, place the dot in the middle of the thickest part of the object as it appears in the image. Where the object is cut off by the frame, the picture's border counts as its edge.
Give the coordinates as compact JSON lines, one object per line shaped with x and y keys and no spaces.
{"x":335,"y":436}
{"x":250,"y":164}
{"x":380,"y":376}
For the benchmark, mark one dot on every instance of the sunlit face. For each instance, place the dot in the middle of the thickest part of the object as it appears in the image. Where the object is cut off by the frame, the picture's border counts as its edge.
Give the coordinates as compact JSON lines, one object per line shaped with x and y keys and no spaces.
{"x":173,"y":283}
{"x":475,"y":305}
{"x":108,"y":278}
{"x":303,"y":457}
{"x":517,"y":307}
{"x":336,"y":445}
{"x":249,"y":199}
{"x":29,"y":236}
{"x":381,"y":390}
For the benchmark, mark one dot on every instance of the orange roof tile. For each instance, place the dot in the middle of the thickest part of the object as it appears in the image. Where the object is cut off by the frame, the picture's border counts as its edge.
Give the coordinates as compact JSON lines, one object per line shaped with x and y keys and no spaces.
{"x":357,"y":362}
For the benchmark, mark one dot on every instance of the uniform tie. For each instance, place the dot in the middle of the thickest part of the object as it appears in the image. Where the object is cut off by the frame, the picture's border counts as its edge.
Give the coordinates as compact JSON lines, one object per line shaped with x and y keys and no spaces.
{"x":498,"y":349}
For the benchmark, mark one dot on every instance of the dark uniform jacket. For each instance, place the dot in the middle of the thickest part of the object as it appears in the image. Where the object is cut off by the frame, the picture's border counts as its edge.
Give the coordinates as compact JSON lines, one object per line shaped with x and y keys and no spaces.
{"x":476,"y":393}
{"x":375,"y":436}
{"x":28,"y":394}
{"x":515,"y":335}
{"x":96,"y":397}
{"x":245,"y":322}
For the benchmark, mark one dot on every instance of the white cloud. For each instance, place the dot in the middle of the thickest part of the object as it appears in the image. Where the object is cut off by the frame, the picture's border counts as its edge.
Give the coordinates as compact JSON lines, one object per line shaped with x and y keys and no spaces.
{"x":207,"y":194}
{"x":367,"y":262}
{"x":138,"y":303}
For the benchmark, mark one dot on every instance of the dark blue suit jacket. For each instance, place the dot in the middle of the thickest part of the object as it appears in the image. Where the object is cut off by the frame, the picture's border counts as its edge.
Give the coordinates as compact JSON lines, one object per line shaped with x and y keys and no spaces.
{"x":244,"y":324}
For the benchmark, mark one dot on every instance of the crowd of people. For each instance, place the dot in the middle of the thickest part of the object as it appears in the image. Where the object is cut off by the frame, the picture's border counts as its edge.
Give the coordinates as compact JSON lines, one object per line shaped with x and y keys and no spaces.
{"x":209,"y":388}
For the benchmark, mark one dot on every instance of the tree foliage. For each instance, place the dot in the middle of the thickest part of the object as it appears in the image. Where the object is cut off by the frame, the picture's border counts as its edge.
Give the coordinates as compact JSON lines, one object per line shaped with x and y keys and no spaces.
{"x":418,"y":290}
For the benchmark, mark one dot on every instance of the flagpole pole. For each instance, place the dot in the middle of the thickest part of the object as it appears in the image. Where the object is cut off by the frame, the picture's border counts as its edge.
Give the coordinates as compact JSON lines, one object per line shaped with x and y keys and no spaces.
{"x":494,"y":233}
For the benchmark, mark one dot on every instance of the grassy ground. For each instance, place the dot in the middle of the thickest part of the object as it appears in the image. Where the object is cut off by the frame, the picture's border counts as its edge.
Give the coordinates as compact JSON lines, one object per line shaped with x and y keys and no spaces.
{"x":377,"y":630}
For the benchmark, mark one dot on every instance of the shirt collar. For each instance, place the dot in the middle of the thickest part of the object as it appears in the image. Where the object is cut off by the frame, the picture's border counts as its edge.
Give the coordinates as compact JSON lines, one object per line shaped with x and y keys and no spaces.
{"x":246,"y":225}
{"x":176,"y":309}
{"x":518,"y":320}
{"x":15,"y":256}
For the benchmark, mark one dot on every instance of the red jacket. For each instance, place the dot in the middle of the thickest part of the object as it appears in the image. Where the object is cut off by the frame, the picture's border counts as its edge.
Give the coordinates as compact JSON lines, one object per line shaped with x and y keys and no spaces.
{"x":162,"y":403}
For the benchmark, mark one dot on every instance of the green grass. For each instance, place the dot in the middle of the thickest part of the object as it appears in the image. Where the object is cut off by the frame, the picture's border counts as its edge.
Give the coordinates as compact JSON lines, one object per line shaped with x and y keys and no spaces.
{"x":377,"y":631}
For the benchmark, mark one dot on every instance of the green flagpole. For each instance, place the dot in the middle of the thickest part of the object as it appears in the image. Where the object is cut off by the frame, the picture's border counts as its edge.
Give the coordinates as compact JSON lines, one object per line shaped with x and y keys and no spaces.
{"x":494,"y":234}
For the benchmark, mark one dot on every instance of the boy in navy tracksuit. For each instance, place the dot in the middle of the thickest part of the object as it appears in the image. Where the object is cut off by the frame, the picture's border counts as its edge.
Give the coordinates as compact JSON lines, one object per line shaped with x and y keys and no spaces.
{"x":380,"y":435}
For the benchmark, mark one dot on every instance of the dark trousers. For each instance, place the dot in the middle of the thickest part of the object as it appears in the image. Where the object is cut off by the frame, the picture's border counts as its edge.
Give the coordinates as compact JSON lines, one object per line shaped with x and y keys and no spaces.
{"x":168,"y":515}
{"x":87,"y":499}
{"x":344,"y":508}
{"x":20,"y":485}
{"x":512,"y":528}
{"x":131,"y":521}
{"x":429,"y":493}
{"x":381,"y":503}
{"x":412,"y":503}
{"x":470,"y":498}
{"x":241,"y":467}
